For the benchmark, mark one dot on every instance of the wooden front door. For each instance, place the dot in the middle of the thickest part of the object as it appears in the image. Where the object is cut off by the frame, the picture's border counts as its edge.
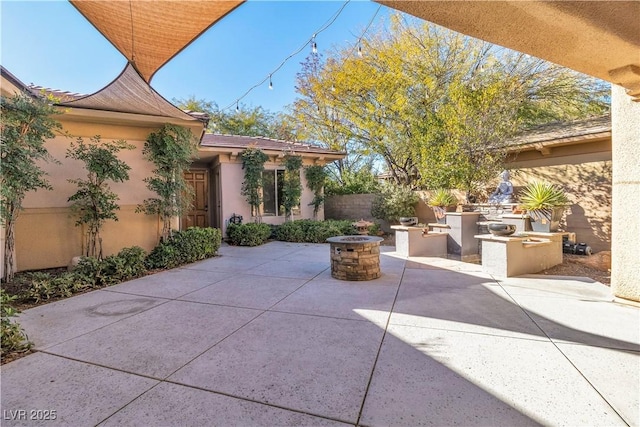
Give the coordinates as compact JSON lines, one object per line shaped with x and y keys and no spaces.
{"x":199,"y":214}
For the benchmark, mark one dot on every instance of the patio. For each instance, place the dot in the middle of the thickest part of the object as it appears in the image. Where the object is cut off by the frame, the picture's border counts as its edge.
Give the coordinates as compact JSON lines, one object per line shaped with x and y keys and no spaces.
{"x":265,"y":336}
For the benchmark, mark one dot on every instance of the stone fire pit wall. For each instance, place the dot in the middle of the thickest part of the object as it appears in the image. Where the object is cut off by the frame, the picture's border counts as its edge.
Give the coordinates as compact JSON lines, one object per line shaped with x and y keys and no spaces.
{"x":355,"y":257}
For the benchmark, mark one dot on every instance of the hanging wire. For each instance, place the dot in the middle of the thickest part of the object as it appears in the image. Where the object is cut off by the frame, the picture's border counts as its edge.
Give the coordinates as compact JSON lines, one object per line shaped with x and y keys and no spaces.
{"x":311,"y":40}
{"x":359,"y":42}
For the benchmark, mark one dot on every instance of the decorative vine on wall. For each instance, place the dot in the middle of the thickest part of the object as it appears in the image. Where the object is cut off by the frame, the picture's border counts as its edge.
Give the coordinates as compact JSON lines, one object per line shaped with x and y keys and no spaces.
{"x":292,"y":187}
{"x":315,"y":176}
{"x":253,"y":160}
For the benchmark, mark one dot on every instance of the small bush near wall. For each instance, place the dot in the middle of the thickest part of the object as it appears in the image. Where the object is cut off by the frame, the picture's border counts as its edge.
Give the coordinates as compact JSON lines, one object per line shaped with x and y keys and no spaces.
{"x":184,"y":247}
{"x":13,"y":338}
{"x":90,"y":273}
{"x":249,"y":234}
{"x":310,"y":231}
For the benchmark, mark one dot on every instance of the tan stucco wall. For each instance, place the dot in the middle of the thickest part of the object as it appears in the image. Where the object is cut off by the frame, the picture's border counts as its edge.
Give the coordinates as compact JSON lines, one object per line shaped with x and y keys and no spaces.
{"x":625,"y":268}
{"x":587,"y":180}
{"x":46,"y":235}
{"x":232,"y":176}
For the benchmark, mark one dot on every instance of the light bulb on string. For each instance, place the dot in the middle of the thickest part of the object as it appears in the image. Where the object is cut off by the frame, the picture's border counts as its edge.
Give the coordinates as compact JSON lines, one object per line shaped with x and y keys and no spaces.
{"x":333,"y":88}
{"x":270,"y":83}
{"x":237,"y":107}
{"x":314,"y":45}
{"x":360,"y":50}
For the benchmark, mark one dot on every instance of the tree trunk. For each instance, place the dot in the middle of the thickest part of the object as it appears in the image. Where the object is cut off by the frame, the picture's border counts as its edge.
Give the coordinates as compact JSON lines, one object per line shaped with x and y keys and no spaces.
{"x":9,"y":248}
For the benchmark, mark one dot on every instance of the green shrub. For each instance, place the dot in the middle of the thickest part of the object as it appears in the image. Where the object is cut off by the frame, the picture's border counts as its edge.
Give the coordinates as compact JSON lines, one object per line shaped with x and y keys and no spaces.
{"x":13,"y":339}
{"x":290,"y":232}
{"x":43,"y":286}
{"x":374,"y":230}
{"x":249,"y":234}
{"x":126,"y":265}
{"x":185,"y":247}
{"x":394,"y":202}
{"x":311,"y":231}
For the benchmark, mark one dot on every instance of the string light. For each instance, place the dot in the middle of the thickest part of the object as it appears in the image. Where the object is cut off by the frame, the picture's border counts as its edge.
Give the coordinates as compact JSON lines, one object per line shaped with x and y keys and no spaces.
{"x":359,"y":42}
{"x":323,"y":28}
{"x":314,"y":49}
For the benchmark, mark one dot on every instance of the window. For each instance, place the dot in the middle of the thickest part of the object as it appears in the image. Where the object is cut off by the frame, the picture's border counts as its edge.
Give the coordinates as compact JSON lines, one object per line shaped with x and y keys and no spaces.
{"x":272,"y":192}
{"x":273,"y":181}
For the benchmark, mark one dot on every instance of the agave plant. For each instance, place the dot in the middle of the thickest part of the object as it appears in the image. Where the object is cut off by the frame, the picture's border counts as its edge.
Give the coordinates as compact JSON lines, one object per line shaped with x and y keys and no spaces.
{"x":442,"y":197}
{"x":545,"y":203}
{"x":539,"y":195}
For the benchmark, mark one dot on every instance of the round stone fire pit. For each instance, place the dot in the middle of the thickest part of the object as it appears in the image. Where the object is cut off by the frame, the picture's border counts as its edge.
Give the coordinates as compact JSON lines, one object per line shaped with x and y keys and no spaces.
{"x":355,"y":257}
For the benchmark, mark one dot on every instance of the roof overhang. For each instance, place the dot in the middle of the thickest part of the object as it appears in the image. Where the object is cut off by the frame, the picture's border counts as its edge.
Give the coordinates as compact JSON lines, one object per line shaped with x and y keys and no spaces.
{"x":150,"y":33}
{"x":598,"y":38}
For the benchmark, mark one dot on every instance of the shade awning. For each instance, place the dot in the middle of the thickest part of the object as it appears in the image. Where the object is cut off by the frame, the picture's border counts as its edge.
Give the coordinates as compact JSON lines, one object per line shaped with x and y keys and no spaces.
{"x":129,"y":93}
{"x":150,"y":33}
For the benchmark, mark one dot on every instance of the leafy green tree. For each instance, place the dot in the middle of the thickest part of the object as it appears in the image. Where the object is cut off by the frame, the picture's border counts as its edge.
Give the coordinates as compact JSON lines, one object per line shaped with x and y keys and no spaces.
{"x":253,"y":160}
{"x":436,"y":107}
{"x":292,"y":187}
{"x":361,"y":182}
{"x":319,"y":122}
{"x":26,"y":124}
{"x":94,"y":203}
{"x":245,"y":121}
{"x":171,"y":149}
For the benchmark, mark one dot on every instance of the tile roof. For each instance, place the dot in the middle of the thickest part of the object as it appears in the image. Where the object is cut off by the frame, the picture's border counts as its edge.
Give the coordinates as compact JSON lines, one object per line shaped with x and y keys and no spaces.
{"x":243,"y":142}
{"x":564,"y":130}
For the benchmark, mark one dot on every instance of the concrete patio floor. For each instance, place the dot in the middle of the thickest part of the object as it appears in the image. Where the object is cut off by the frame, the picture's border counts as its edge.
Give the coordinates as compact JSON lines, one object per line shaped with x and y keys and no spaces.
{"x":265,"y":336}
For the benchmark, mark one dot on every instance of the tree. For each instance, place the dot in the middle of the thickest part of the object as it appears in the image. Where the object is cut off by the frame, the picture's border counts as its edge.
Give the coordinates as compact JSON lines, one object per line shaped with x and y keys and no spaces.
{"x":245,"y":121}
{"x":94,"y":202}
{"x":292,"y":187}
{"x":171,"y":149}
{"x":436,"y":107}
{"x":253,"y":160}
{"x":26,"y":124}
{"x":320,"y":123}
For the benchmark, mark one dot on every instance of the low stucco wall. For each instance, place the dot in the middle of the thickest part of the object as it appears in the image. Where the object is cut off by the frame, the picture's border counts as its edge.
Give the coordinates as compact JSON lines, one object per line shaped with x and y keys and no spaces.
{"x":48,"y":237}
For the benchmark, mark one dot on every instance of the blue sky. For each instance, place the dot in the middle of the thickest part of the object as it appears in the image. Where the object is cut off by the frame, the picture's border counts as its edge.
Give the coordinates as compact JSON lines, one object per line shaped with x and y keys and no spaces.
{"x":50,"y":44}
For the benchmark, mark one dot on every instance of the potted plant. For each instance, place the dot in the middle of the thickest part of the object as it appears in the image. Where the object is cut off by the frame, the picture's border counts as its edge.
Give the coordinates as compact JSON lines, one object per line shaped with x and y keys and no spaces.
{"x":545,"y":204}
{"x":441,"y":201}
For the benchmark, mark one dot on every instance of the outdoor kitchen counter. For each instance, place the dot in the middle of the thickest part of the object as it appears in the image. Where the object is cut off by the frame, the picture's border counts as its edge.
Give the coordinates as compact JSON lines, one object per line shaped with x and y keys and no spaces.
{"x":416,"y":241}
{"x":506,"y":256}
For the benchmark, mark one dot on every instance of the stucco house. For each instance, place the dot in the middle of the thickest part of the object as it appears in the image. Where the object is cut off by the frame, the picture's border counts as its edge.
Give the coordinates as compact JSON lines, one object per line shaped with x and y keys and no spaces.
{"x":218,"y":176}
{"x":128,"y":108}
